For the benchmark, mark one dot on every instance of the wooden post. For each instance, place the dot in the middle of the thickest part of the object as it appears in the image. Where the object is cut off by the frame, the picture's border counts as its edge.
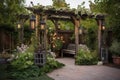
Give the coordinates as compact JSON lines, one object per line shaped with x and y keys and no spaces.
{"x":77,"y":24}
{"x":22,"y":31}
{"x":55,"y":22}
{"x":36,"y":27}
{"x":99,"y":38}
{"x":45,"y":36}
{"x":99,"y":19}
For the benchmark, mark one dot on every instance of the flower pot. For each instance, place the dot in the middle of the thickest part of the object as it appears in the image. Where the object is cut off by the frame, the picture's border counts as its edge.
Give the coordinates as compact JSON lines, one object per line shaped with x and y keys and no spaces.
{"x":116,"y":60}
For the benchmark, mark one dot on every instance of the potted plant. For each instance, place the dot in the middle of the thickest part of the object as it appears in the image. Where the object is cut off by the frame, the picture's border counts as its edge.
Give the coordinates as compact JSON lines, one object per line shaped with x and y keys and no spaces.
{"x":115,"y":49}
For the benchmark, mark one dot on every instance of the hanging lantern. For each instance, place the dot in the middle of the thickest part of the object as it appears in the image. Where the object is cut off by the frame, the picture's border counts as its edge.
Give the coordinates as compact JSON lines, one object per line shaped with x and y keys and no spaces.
{"x":103,"y":25}
{"x":18,"y":25}
{"x":32,"y":22}
{"x":42,"y":25}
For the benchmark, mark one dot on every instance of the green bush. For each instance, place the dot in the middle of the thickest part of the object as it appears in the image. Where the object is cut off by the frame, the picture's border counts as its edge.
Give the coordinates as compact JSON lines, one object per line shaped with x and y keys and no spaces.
{"x":115,"y":48}
{"x":86,"y":58}
{"x":23,"y":67}
{"x":23,"y":60}
{"x":58,"y":44}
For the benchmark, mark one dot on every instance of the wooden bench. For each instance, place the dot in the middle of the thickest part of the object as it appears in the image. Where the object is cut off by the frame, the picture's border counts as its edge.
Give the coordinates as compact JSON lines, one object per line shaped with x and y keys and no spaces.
{"x":70,"y":50}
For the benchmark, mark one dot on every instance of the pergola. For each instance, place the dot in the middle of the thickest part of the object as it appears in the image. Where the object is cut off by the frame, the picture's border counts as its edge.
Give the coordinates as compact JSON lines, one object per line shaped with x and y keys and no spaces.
{"x":64,"y":14}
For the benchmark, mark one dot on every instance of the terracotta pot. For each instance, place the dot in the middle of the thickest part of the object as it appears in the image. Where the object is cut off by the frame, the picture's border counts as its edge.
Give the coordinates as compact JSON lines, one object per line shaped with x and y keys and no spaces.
{"x":116,"y":60}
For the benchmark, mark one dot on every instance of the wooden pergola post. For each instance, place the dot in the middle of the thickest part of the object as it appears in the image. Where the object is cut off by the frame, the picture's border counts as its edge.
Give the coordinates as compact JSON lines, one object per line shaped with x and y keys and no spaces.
{"x":76,"y":24}
{"x":99,"y":19}
{"x":36,"y":27}
{"x":45,"y":35}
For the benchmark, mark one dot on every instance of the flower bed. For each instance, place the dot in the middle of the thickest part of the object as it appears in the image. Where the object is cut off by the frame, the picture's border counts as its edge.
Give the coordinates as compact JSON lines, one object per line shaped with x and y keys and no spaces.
{"x":23,"y":68}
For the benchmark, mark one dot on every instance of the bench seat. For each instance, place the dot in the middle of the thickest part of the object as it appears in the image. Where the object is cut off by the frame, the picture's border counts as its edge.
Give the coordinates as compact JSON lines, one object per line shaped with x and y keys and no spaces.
{"x":69,"y":50}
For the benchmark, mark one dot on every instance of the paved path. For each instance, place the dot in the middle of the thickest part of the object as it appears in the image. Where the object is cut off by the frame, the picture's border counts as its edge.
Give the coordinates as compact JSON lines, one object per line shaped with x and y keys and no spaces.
{"x":75,"y":72}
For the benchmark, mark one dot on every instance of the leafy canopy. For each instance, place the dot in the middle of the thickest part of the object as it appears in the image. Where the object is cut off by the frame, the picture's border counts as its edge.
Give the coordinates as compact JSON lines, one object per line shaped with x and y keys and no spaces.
{"x":9,"y":9}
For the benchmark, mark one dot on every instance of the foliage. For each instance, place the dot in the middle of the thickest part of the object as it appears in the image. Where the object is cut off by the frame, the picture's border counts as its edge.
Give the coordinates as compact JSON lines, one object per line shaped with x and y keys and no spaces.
{"x":91,"y":38}
{"x":8,"y":10}
{"x":86,"y":57}
{"x":112,"y":9}
{"x":34,"y":71}
{"x":59,"y":3}
{"x":90,"y":32}
{"x":3,"y":72}
{"x":23,"y":67}
{"x":27,"y":34}
{"x":23,"y":61}
{"x":42,"y":77}
{"x":66,"y":25}
{"x":57,"y":44}
{"x":31,"y":73}
{"x":115,"y":48}
{"x":116,"y":32}
{"x":34,"y":42}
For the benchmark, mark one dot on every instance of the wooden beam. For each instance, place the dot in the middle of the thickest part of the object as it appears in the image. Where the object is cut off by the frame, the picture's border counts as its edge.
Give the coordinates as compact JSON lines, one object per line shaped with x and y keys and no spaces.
{"x":36,"y":25}
{"x":100,"y":18}
{"x":77,"y":24}
{"x":99,"y":38}
{"x":52,"y":11}
{"x":59,"y":18}
{"x":45,"y":37}
{"x":65,"y":31}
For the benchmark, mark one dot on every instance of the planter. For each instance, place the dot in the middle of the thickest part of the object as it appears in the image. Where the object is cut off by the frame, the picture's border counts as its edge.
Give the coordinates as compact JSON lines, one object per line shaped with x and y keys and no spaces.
{"x":116,"y":60}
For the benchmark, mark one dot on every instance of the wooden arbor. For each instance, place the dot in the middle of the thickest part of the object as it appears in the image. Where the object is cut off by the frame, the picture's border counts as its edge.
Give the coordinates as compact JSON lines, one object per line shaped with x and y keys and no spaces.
{"x":60,"y":14}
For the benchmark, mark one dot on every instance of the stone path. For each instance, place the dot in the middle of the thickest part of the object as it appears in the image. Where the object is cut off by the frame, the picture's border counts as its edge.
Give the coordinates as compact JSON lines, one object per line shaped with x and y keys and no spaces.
{"x":75,"y":72}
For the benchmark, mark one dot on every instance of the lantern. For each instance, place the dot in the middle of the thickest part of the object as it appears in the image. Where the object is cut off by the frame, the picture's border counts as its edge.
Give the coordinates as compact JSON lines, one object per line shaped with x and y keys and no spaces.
{"x":18,"y":25}
{"x":40,"y":57}
{"x":42,"y":25}
{"x":32,"y":22}
{"x":103,"y":25}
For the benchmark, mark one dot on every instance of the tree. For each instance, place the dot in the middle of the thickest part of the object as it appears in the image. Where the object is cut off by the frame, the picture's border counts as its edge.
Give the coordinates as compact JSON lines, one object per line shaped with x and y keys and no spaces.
{"x":59,"y":3}
{"x":112,"y":9}
{"x":9,"y":9}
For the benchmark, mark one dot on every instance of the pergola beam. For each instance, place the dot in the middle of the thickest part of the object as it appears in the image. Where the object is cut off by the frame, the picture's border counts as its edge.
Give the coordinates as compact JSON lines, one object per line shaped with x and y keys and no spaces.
{"x":58,"y":18}
{"x":53,"y":12}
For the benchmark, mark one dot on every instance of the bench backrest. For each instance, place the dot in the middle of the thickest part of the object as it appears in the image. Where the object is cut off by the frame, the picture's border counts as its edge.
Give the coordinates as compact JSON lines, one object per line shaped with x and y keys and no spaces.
{"x":71,"y":47}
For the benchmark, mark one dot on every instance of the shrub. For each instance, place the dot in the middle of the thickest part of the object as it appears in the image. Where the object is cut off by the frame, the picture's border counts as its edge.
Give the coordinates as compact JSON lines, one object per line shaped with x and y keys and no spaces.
{"x":23,"y":67}
{"x":23,"y":60}
{"x":115,"y":48}
{"x":57,"y":44}
{"x":86,"y":58}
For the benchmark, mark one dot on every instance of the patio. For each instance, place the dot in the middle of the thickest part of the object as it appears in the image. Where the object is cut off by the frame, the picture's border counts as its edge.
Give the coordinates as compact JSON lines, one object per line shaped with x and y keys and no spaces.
{"x":75,"y":72}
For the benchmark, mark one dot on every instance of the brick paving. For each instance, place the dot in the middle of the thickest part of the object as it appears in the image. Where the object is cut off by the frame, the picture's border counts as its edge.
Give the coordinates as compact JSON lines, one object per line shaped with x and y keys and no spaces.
{"x":92,"y":72}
